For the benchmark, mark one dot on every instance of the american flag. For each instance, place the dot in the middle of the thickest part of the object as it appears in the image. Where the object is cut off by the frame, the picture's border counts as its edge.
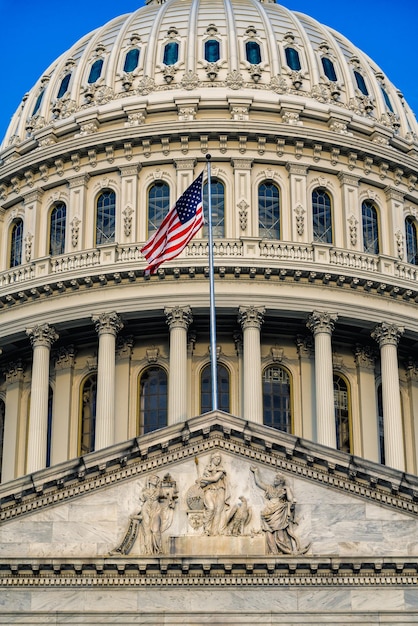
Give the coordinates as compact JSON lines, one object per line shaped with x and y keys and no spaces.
{"x":178,"y":227}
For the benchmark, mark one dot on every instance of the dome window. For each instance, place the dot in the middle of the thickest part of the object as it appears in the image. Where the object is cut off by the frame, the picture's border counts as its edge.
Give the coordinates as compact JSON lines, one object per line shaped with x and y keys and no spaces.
{"x":222,"y":378}
{"x":253,"y":52}
{"x":57,"y":225}
{"x":361,"y":84}
{"x":95,"y":71}
{"x":212,"y":51}
{"x":88,"y":414}
{"x":411,"y":241}
{"x":105,"y":217}
{"x":64,"y":86}
{"x":342,"y":414}
{"x":276,"y":399}
{"x":171,"y":53}
{"x":217,"y":190}
{"x":370,"y":227}
{"x":16,"y":243}
{"x":387,"y":99}
{"x":268,"y":211}
{"x":38,"y":103}
{"x":329,"y":69}
{"x":292,"y":59}
{"x":321,"y":216}
{"x":158,"y":205}
{"x":131,"y":60}
{"x":153,"y":400}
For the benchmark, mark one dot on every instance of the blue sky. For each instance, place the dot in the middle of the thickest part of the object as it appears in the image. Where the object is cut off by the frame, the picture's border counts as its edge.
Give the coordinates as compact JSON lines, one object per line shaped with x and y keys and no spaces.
{"x":33,"y":35}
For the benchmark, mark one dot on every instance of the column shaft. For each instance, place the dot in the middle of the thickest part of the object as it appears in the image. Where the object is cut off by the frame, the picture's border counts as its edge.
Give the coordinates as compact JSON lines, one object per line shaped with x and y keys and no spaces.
{"x":178,"y":320}
{"x":251,"y":319}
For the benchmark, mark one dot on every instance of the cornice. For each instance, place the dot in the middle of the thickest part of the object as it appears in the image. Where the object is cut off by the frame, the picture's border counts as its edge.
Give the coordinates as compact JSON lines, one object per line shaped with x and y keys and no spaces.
{"x":229,"y":434}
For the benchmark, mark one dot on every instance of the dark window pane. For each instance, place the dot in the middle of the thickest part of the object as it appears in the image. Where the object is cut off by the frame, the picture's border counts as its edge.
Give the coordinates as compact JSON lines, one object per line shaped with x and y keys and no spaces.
{"x":57,"y":229}
{"x":329,"y":70}
{"x":342,"y":419}
{"x":292,"y":59}
{"x":361,"y":83}
{"x":95,"y":71}
{"x":153,"y":400}
{"x":276,"y":399}
{"x":212,"y":51}
{"x":370,"y":228}
{"x":131,"y":60}
{"x":158,"y":205}
{"x":218,"y":208}
{"x":171,"y":53}
{"x":64,"y":86}
{"x":206,"y":389}
{"x":387,"y":99}
{"x":253,"y":52}
{"x":16,"y":243}
{"x":38,"y":103}
{"x":268,"y":211}
{"x":411,"y":241}
{"x":88,"y":416}
{"x":105,"y":217}
{"x":321,"y":214}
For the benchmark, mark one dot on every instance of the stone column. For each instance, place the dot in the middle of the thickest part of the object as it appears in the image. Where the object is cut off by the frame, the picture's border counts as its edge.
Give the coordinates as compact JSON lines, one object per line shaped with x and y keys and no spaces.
{"x":178,"y":320}
{"x":251,"y":318}
{"x":107,"y":327}
{"x":387,"y":336}
{"x":321,"y":324}
{"x":42,"y":337}
{"x":13,"y":373}
{"x":305,"y":425}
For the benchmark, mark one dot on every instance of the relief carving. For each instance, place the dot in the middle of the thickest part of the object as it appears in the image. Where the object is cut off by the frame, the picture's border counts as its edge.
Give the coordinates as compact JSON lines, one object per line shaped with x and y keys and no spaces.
{"x":155,"y":516}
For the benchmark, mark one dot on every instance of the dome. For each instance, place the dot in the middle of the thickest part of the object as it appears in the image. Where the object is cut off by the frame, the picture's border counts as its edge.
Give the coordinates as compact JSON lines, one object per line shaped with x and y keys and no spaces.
{"x":274,"y":57}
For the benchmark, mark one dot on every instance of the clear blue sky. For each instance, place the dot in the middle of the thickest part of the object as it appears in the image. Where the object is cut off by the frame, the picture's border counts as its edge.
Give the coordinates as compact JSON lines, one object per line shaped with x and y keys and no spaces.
{"x":34,"y":34}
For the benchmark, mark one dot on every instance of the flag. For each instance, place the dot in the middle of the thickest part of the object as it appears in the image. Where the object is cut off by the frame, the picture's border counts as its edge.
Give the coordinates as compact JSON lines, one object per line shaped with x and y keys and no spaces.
{"x":178,"y":227}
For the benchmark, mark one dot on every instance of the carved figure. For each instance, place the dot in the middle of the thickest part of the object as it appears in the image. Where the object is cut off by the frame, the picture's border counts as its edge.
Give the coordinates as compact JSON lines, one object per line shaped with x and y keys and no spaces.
{"x":278,"y":516}
{"x":238,"y":518}
{"x":154,"y":517}
{"x":215,"y":488}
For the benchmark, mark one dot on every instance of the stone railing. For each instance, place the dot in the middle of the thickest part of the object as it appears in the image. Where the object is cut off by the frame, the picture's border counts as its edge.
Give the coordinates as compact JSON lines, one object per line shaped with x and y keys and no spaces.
{"x":255,"y":252}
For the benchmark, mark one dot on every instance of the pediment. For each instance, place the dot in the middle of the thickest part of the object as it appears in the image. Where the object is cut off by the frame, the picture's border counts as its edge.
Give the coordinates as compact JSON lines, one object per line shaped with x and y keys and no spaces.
{"x":216,"y":488}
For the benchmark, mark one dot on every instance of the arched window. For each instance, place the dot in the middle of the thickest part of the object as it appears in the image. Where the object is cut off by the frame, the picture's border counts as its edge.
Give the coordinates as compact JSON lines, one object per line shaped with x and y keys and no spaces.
{"x":342,"y":414}
{"x":277,"y":410}
{"x":95,"y":71}
{"x":212,"y":51}
{"x":64,"y":86}
{"x":411,"y":241}
{"x":38,"y":102}
{"x":380,"y":427}
{"x":57,"y":224}
{"x":361,"y":84}
{"x":152,"y":400}
{"x":218,"y":208}
{"x":16,"y":243}
{"x":322,"y":217}
{"x":292,"y":59}
{"x":131,"y":60}
{"x":49,"y":428}
{"x":171,"y":53}
{"x":2,"y":420}
{"x":253,"y":52}
{"x":158,"y":205}
{"x":206,"y":389}
{"x":105,"y":217}
{"x":370,"y":227}
{"x":268,"y":211}
{"x":329,"y":69}
{"x":88,"y":414}
{"x":387,"y":99}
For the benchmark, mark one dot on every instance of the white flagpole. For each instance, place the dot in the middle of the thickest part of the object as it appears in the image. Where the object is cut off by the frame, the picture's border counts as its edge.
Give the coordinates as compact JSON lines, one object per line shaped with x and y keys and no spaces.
{"x":213,"y":355}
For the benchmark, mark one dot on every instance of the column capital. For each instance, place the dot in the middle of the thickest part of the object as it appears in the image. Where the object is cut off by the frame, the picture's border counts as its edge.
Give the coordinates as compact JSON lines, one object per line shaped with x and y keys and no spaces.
{"x":107,"y":323}
{"x":321,"y":322}
{"x":304,"y":346}
{"x":386,"y":334}
{"x":178,"y":317}
{"x":251,"y":316}
{"x":42,"y":335}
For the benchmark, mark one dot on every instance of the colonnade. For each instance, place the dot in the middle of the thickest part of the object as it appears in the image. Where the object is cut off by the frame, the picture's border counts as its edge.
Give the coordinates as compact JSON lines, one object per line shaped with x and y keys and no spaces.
{"x":108,"y":325}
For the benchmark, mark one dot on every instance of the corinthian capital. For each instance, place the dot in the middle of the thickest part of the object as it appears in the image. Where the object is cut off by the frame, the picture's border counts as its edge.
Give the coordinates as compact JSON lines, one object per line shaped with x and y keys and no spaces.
{"x":178,"y":317}
{"x":107,"y":323}
{"x":387,"y":334}
{"x":321,"y":322}
{"x":251,"y":316}
{"x":42,"y":335}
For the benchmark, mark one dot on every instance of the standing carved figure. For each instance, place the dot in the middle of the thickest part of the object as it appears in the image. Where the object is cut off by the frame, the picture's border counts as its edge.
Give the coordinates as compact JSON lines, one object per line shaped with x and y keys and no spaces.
{"x":154,"y":517}
{"x":215,"y":488}
{"x":278,"y":516}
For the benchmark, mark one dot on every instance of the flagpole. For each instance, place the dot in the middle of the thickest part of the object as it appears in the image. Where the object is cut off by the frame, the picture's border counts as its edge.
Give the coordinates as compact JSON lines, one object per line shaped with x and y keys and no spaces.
{"x":213,"y":355}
